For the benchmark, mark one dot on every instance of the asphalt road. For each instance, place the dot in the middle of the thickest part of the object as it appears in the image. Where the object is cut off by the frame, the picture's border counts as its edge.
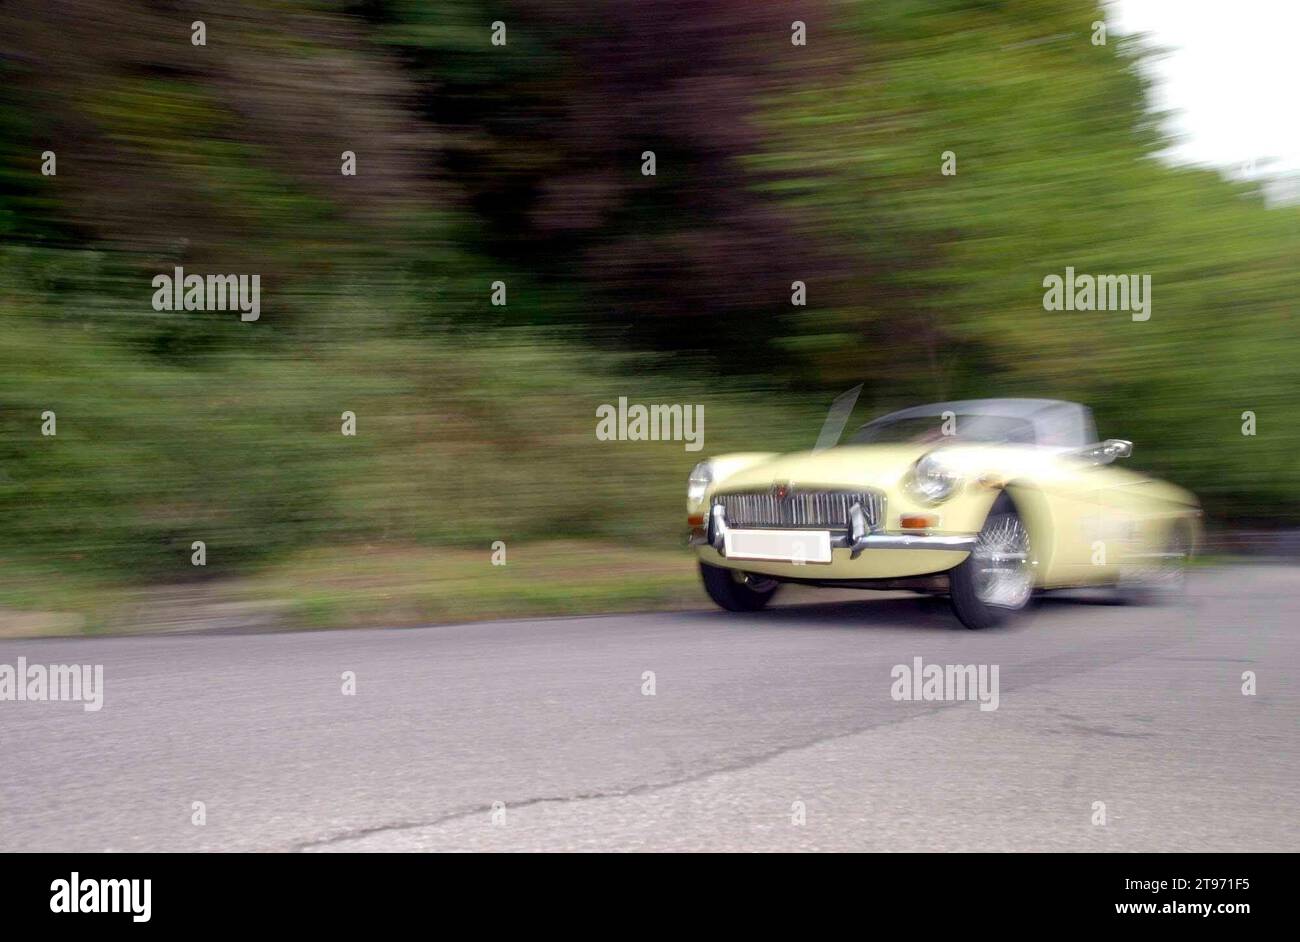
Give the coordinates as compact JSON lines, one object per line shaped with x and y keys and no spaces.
{"x":1139,"y":708}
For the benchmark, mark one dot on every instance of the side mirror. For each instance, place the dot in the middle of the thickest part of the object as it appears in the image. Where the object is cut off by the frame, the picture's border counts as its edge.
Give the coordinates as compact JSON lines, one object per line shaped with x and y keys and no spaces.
{"x":1107,"y":451}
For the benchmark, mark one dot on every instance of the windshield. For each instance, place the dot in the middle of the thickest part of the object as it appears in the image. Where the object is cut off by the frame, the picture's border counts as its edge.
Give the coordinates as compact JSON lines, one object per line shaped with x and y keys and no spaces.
{"x":962,"y":427}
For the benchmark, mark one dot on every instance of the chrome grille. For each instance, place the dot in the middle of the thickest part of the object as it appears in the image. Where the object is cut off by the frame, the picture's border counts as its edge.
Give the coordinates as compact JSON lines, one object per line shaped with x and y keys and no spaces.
{"x":819,"y":510}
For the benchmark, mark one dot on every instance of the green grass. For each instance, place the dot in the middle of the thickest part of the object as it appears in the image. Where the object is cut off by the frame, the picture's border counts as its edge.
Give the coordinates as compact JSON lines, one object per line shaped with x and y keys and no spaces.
{"x":360,"y":586}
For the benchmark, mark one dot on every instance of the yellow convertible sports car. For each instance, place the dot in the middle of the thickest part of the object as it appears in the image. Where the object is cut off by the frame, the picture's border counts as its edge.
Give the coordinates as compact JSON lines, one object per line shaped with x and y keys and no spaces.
{"x":986,"y":500}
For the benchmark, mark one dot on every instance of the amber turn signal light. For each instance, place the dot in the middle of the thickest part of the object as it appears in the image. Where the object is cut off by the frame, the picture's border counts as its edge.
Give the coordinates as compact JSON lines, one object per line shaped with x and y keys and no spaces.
{"x":918,"y":521}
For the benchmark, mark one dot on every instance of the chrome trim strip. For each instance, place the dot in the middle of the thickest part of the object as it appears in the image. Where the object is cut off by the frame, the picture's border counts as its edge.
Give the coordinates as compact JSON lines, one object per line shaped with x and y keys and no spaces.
{"x":918,"y":541}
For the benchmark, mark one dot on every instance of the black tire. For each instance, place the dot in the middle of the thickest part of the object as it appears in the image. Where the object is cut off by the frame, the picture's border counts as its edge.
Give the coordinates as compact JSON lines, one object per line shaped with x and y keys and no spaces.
{"x":964,"y":582}
{"x":726,"y":588}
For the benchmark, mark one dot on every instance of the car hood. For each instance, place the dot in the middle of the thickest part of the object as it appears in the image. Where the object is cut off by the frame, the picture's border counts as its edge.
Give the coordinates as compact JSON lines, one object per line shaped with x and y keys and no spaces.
{"x":847,"y":466}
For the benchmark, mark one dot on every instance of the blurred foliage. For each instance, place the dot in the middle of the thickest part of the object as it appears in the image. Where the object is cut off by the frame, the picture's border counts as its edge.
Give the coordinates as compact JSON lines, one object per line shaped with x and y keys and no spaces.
{"x":522,"y":163}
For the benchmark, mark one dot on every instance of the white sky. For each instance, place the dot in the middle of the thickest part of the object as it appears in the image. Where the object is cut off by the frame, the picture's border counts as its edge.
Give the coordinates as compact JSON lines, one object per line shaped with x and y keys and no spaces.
{"x":1232,"y":73}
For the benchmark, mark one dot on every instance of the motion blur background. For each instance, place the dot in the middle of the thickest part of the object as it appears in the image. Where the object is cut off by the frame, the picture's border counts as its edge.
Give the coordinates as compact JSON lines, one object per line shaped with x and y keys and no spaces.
{"x":477,"y":163}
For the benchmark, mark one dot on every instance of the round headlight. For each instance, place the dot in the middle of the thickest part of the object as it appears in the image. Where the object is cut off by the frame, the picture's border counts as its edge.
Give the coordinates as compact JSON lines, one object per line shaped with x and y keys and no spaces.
{"x":931,"y":481}
{"x":699,"y":481}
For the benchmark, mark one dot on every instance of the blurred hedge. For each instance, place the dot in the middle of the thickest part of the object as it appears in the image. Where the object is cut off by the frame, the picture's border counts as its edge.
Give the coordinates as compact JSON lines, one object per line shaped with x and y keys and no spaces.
{"x":521,"y":163}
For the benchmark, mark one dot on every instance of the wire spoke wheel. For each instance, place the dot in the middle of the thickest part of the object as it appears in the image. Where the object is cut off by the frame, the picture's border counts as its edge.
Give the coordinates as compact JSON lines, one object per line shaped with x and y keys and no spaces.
{"x":1004,"y":576}
{"x":1160,"y":576}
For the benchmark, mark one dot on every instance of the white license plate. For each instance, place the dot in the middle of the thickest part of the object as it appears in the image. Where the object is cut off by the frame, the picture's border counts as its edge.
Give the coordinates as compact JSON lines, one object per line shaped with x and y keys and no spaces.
{"x":787,"y":546}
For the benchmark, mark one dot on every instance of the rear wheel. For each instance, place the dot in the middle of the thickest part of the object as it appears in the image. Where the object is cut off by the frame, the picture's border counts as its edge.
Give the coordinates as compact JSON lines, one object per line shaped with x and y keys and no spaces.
{"x":1160,"y":577}
{"x":997,"y":578}
{"x":737,"y":591}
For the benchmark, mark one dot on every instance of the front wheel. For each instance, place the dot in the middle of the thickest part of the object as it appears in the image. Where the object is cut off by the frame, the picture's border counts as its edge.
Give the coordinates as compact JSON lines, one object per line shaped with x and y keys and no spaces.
{"x":737,"y":591}
{"x":997,"y":578}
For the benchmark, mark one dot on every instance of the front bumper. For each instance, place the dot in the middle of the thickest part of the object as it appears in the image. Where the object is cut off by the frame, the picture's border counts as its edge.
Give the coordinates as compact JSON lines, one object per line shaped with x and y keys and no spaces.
{"x":858,"y":552}
{"x":856,"y":539}
{"x":959,"y":543}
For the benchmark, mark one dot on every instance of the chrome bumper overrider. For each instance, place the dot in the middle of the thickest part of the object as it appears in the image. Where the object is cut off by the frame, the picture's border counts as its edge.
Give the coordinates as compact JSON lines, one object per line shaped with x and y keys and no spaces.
{"x":857,"y":539}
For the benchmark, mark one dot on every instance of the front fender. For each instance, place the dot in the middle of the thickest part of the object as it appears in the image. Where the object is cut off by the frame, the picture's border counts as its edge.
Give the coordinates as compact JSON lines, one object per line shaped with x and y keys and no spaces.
{"x":723,"y":467}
